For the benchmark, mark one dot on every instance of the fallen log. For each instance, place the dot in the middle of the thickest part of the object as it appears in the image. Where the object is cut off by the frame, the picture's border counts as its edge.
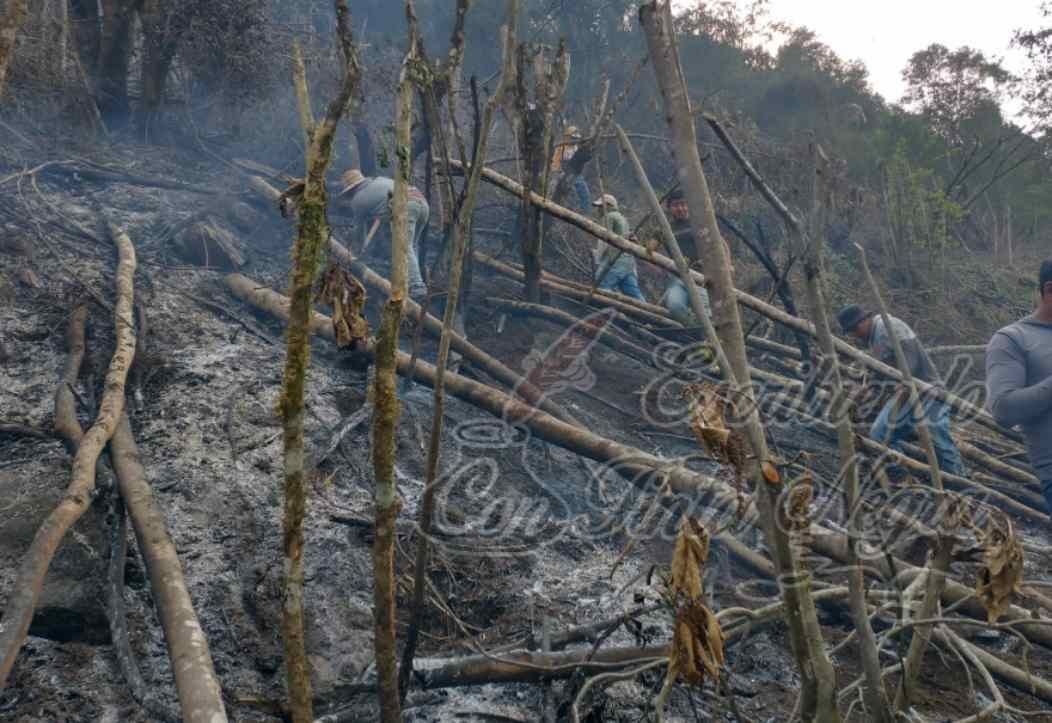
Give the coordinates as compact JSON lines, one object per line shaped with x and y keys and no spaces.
{"x":530,"y":666}
{"x":609,"y":337}
{"x":104,"y":175}
{"x":679,"y":479}
{"x":641,"y":467}
{"x":492,"y":366}
{"x":78,"y":495}
{"x":65,"y":423}
{"x":200,"y":696}
{"x":635,"y":310}
{"x":971,"y":349}
{"x":958,"y":404}
{"x":68,"y":428}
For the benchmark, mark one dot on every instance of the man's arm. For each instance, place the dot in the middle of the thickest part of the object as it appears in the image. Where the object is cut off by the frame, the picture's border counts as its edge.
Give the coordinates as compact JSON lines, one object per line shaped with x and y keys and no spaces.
{"x":1008,"y":398}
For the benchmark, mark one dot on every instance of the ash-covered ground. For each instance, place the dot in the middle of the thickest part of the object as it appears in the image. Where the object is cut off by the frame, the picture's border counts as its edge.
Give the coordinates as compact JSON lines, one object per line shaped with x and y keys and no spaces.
{"x":526,"y":531}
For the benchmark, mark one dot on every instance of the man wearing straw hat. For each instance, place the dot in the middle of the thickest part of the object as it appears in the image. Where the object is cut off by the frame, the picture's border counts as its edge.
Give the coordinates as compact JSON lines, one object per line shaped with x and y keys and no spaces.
{"x":368,"y":200}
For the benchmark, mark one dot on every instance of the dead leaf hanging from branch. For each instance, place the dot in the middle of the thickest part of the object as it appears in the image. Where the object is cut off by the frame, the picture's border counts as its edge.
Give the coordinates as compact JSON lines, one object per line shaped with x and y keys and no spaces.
{"x":697,"y":647}
{"x":346,"y":295}
{"x":697,"y":643}
{"x":708,"y":409}
{"x":688,"y":559}
{"x":1002,"y":569}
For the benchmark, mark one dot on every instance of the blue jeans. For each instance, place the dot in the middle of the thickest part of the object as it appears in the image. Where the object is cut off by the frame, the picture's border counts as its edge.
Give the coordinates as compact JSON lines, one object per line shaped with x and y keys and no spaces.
{"x":624,"y":281}
{"x":584,"y":195}
{"x":893,"y":434}
{"x":378,"y":255}
{"x":1046,"y":487}
{"x":677,"y":301}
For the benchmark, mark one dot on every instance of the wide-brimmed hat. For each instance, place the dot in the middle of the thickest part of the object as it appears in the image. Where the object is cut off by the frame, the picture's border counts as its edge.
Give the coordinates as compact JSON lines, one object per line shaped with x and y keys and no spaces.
{"x":351,"y":179}
{"x":608,"y":200}
{"x":851,"y":316}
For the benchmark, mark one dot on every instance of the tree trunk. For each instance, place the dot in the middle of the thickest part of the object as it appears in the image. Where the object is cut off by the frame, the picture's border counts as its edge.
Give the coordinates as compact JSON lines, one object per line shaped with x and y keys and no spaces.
{"x":311,"y":238}
{"x":873,"y":690}
{"x":16,"y":13}
{"x":818,"y":678}
{"x":112,"y":65}
{"x":461,"y":232}
{"x":387,"y":406}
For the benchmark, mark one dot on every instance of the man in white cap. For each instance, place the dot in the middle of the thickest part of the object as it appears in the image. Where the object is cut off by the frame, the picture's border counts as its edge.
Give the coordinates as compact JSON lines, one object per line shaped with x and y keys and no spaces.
{"x":368,"y":200}
{"x":615,"y":270}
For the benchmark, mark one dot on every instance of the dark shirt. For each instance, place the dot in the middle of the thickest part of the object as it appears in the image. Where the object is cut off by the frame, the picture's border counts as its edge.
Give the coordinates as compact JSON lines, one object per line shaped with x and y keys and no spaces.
{"x":684,"y":233}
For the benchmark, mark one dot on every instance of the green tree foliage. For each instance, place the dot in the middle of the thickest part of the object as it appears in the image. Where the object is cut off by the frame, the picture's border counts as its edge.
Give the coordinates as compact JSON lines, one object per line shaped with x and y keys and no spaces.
{"x":951,"y":88}
{"x":919,"y":215}
{"x":1037,"y":80}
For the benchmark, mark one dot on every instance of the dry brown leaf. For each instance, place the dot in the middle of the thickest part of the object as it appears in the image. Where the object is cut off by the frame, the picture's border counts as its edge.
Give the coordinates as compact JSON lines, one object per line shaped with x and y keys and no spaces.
{"x":708,"y":421}
{"x":697,"y":644}
{"x":798,"y":504}
{"x":346,"y":295}
{"x":1002,"y":569}
{"x":688,"y":559}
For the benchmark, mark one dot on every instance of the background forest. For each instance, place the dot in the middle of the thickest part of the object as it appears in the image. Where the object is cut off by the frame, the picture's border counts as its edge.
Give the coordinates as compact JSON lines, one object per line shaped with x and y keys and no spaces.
{"x":943,"y":181}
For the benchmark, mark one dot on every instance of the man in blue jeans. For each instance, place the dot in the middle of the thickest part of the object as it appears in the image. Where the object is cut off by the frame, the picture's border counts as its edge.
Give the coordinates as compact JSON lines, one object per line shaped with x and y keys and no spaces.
{"x":615,"y":270}
{"x":1019,"y":380}
{"x":896,"y":420}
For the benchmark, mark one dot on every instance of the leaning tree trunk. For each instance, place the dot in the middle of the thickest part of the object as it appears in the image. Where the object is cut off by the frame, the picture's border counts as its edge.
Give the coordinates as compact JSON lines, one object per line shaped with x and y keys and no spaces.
{"x":311,"y":238}
{"x":14,"y":16}
{"x":818,"y":679}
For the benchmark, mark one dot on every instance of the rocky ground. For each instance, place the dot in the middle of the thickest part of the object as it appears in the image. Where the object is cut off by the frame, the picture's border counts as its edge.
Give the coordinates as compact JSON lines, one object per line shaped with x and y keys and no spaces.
{"x":202,"y":408}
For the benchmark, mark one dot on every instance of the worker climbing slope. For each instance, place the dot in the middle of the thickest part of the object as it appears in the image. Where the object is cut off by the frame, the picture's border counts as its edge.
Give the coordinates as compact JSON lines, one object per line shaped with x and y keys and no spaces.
{"x":615,"y":270}
{"x":368,"y":200}
{"x":896,"y":421}
{"x":676,"y":299}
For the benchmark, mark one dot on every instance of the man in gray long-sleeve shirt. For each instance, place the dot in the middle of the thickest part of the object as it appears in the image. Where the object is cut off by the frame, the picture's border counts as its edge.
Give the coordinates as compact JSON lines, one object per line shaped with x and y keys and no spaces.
{"x":1019,"y":380}
{"x":369,"y":201}
{"x":896,"y":421}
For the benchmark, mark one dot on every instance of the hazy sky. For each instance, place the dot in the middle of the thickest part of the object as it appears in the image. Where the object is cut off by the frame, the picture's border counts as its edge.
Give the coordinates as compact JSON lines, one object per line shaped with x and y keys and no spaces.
{"x":884,"y":33}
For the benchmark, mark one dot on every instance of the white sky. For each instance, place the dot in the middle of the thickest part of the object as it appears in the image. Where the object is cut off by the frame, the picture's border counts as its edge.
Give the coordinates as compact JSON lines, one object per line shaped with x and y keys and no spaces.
{"x":883,"y":34}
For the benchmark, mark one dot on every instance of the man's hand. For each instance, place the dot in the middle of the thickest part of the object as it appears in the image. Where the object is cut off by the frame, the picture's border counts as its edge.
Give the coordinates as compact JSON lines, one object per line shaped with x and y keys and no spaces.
{"x":652,"y":245}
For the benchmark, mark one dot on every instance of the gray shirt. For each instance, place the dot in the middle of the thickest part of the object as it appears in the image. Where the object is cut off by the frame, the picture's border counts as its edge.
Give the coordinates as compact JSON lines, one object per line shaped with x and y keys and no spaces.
{"x":369,"y":201}
{"x":880,"y":344}
{"x":1019,"y":386}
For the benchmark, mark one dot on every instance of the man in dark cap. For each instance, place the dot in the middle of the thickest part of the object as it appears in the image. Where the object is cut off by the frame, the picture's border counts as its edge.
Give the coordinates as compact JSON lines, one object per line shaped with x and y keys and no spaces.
{"x":675,"y":298}
{"x":896,"y":420}
{"x":1019,"y":379}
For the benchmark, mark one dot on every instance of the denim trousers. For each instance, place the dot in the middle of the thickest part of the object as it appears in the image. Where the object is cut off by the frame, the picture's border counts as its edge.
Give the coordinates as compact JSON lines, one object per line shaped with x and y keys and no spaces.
{"x":893,"y":432}
{"x":625,"y":281}
{"x":378,"y":255}
{"x":677,"y":301}
{"x":1046,"y":487}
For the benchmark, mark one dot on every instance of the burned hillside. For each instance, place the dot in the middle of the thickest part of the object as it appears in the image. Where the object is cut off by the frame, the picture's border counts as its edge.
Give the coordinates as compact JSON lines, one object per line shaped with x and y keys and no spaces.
{"x":249,"y":472}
